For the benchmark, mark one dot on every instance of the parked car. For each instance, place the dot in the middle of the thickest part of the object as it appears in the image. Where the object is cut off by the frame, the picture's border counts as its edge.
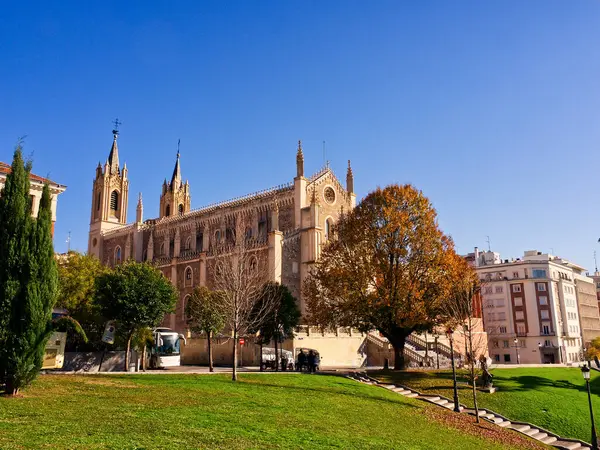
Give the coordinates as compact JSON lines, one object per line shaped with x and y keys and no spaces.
{"x":269,"y":359}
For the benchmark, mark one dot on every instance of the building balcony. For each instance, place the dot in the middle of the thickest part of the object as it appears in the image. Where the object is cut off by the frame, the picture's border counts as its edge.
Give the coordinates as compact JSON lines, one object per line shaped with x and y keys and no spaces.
{"x":522,"y":334}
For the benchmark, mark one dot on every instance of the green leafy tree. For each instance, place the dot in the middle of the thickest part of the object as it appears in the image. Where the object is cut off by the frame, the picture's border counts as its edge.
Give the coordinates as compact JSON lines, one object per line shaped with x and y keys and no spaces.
{"x":77,"y":275}
{"x":135,"y":295}
{"x":205,"y":314}
{"x":28,"y":278}
{"x":282,"y":318}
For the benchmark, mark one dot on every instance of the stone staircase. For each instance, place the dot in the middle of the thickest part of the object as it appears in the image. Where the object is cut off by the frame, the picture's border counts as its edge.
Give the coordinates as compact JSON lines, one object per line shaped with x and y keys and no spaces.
{"x":527,"y":429}
{"x":414,"y":351}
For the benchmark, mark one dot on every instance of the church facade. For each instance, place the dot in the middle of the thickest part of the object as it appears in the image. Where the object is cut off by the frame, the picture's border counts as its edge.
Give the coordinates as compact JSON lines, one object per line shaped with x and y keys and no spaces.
{"x":288,"y":224}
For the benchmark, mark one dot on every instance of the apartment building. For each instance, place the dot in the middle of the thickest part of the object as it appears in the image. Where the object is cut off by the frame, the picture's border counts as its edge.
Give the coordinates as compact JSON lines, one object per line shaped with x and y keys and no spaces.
{"x":531,"y":309}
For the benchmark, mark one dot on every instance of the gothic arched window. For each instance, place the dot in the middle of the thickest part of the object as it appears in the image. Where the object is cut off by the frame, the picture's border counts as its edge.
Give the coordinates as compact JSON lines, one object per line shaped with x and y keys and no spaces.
{"x":328,"y":229}
{"x":186,"y":299}
{"x":114,"y":201}
{"x":188,"y":243}
{"x":162,"y":249}
{"x":168,"y":210}
{"x":98,"y":202}
{"x":189,"y":277}
{"x":117,"y":255}
{"x":180,"y":208}
{"x":218,"y":236}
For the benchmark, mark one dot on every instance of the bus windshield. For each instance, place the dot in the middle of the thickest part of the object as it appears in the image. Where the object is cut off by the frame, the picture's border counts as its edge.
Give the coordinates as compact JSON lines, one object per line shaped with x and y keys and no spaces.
{"x":170,"y":345}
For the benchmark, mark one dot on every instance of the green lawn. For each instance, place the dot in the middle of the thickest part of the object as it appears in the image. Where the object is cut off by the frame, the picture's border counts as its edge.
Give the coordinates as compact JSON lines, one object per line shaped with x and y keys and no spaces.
{"x":209,"y":411}
{"x":553,"y":398}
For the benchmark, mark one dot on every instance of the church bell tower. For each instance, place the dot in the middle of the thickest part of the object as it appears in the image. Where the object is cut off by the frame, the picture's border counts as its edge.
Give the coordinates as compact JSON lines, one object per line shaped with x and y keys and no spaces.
{"x":175,"y":196}
{"x":110,"y":195}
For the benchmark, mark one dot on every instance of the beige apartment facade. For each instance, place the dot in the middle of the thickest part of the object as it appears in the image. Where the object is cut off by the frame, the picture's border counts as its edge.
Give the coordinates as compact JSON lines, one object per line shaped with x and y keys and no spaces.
{"x":36,"y":185}
{"x":287,"y":225}
{"x":536,"y":309}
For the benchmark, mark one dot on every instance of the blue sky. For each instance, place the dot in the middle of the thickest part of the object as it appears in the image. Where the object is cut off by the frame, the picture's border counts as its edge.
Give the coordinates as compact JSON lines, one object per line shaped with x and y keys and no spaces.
{"x":491,"y":108}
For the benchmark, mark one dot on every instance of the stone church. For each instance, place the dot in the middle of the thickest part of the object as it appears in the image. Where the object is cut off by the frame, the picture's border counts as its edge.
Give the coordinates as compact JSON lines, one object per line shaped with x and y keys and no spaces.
{"x":288,"y":223}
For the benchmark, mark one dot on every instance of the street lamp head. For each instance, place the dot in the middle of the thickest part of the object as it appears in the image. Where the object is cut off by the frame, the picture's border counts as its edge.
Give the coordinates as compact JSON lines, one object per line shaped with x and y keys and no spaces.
{"x":539,"y":344}
{"x":585,"y":370}
{"x":515,"y":340}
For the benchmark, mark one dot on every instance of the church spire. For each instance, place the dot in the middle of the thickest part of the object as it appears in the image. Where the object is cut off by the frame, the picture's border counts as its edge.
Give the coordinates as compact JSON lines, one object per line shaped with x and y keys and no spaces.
{"x":176,"y":178}
{"x":113,"y":157}
{"x":299,"y":161}
{"x":350,"y":179}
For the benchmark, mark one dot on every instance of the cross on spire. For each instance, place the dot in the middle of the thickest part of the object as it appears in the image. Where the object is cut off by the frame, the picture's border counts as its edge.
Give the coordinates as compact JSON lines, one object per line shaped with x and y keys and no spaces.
{"x":116,"y":123}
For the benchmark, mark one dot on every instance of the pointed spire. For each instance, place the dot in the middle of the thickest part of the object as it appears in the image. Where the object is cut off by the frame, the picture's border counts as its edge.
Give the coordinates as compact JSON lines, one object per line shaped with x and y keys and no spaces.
{"x":113,"y":157}
{"x":350,"y":179}
{"x":176,"y":178}
{"x":299,"y":161}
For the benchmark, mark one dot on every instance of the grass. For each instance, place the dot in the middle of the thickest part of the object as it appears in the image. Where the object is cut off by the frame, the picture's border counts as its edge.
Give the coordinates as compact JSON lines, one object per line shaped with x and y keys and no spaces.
{"x":552,"y":398}
{"x":209,"y":411}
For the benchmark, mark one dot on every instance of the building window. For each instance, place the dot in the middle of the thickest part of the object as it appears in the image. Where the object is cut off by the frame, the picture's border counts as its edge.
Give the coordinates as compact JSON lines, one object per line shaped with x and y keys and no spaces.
{"x":181,"y":209}
{"x":98,"y":202}
{"x":516,"y":288}
{"x":515,"y":274}
{"x":506,"y":357}
{"x":544,"y":314}
{"x":248,"y":233}
{"x":543,"y":300}
{"x":502,"y":330}
{"x":218,"y":236}
{"x":499,"y":302}
{"x":519,"y":315}
{"x":328,"y":229}
{"x":162,"y":249}
{"x":546,"y":329}
{"x":188,"y":243}
{"x":501,"y":316}
{"x":189,"y":276}
{"x":522,"y":343}
{"x":495,"y":344}
{"x":168,"y":211}
{"x":497,"y":358}
{"x":539,"y":273}
{"x":505,"y":344}
{"x":186,"y":299}
{"x":518,"y":301}
{"x":253,"y":264}
{"x":521,"y":328}
{"x":117,"y":255}
{"x":114,"y":200}
{"x":487,"y":290}
{"x":498,"y":289}
{"x":541,"y":287}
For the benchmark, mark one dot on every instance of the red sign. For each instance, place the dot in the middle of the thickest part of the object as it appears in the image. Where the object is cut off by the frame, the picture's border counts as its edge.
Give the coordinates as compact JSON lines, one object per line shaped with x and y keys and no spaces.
{"x":242,"y":341}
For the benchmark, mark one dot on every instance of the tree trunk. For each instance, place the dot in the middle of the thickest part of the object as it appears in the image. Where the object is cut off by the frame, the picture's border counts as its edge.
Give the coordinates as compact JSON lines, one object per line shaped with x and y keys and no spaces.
{"x":127,"y":353}
{"x":234,"y":374}
{"x":398,"y":344}
{"x":473,"y":362}
{"x":210,"y":356}
{"x":11,"y":389}
{"x":260,"y":364}
{"x":143,"y":350}
{"x":276,"y":357}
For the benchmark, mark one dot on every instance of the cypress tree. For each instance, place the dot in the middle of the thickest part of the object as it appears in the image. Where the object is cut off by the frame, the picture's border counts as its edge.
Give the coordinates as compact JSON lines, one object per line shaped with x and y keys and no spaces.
{"x":28,"y":278}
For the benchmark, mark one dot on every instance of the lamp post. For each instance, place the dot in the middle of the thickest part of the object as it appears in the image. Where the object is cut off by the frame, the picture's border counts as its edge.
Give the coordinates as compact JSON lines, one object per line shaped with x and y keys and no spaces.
{"x":585,"y":370}
{"x":516,"y":341}
{"x":540,"y":350}
{"x":449,"y":333}
{"x":437,"y":355}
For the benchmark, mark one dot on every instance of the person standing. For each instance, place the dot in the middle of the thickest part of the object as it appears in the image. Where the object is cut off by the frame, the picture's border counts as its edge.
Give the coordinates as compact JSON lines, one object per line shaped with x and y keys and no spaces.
{"x":311,"y":361}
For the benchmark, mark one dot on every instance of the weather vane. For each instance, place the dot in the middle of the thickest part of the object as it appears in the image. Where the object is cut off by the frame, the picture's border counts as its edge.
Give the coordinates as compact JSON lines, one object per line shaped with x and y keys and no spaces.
{"x":116,"y":123}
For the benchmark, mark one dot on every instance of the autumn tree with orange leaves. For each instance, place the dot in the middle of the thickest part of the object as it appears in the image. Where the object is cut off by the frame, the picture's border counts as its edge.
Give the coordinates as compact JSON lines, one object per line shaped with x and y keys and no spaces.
{"x":386,"y":268}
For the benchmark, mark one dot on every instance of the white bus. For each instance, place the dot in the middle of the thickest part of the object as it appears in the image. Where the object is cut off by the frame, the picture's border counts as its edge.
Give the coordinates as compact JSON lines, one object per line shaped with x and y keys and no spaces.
{"x":166,"y":350}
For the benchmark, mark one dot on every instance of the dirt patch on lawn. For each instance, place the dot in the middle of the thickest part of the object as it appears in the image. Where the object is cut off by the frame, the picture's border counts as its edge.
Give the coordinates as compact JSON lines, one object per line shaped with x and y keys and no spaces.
{"x":108,"y":382}
{"x":466,"y":424}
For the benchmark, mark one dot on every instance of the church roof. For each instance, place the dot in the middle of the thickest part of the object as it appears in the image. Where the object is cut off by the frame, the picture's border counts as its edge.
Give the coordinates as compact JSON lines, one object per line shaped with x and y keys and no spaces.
{"x":176,"y":178}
